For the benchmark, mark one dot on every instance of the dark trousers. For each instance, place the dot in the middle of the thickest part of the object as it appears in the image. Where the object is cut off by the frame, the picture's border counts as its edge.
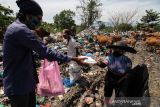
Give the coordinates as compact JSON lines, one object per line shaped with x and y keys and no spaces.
{"x":27,"y":100}
{"x":111,"y":82}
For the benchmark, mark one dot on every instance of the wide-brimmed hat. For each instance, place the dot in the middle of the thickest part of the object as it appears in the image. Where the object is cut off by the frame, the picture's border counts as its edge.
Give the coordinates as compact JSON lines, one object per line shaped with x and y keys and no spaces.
{"x":122,"y":46}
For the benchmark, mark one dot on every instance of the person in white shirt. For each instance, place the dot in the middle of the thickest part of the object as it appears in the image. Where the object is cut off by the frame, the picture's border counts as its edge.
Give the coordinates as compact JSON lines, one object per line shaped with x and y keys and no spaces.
{"x":72,"y":45}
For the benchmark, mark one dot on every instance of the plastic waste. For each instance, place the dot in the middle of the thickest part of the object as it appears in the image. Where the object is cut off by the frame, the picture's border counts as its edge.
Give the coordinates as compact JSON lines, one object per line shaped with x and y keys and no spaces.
{"x":68,"y":83}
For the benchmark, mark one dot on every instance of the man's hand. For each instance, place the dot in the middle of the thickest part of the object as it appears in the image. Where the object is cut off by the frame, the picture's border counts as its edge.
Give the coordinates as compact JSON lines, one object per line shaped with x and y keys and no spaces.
{"x":101,"y":64}
{"x":80,"y":61}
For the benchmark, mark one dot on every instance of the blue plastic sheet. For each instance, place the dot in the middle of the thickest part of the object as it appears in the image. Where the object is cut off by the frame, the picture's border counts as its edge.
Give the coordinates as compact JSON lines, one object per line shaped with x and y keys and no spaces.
{"x":68,"y":83}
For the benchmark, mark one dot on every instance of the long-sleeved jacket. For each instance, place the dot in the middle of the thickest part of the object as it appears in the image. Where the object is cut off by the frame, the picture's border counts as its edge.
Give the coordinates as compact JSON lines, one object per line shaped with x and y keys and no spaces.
{"x":18,"y":44}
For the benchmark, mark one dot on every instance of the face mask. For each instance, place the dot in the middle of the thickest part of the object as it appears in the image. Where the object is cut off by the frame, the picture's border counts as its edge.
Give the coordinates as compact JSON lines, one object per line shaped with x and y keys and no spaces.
{"x":33,"y":23}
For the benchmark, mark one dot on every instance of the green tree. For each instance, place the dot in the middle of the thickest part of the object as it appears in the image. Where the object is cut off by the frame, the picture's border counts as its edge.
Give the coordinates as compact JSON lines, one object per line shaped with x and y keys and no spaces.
{"x":89,"y":11}
{"x":64,"y":20}
{"x":108,"y":29}
{"x":124,"y":27}
{"x":157,"y":27}
{"x":151,"y":19}
{"x":5,"y":17}
{"x":49,"y":27}
{"x":141,"y":26}
{"x":122,"y":19}
{"x":101,"y":25}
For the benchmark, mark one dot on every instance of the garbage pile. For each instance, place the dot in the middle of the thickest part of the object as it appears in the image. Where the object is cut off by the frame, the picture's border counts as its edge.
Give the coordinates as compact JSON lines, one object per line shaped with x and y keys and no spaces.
{"x":88,"y":90}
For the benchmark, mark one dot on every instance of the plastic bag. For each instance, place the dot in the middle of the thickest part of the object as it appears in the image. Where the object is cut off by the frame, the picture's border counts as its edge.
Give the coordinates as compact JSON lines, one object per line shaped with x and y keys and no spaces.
{"x":74,"y":71}
{"x":50,"y":82}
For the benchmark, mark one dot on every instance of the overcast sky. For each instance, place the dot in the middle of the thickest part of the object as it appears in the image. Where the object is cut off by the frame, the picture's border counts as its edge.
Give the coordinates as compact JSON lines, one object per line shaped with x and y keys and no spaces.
{"x":53,"y":7}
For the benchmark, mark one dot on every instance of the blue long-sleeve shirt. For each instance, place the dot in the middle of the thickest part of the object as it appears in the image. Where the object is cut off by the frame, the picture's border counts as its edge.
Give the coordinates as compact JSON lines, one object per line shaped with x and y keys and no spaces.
{"x":119,"y":64}
{"x":18,"y":44}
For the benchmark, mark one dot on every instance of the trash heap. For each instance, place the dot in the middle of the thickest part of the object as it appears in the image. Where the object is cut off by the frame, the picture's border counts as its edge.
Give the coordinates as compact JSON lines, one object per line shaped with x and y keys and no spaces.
{"x":89,"y":90}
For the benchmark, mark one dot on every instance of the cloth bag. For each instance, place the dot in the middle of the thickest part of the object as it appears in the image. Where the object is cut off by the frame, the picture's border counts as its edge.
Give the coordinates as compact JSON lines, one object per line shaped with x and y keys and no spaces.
{"x":50,"y":82}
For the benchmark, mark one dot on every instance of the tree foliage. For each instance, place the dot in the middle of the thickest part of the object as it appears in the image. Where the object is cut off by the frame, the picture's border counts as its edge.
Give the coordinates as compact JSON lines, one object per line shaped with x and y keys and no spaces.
{"x":48,"y":26}
{"x":64,"y":20}
{"x":101,"y":25}
{"x":157,"y":27}
{"x":124,"y":27}
{"x":89,"y":11}
{"x":122,"y":20}
{"x":108,"y":29}
{"x":5,"y":17}
{"x":151,"y":19}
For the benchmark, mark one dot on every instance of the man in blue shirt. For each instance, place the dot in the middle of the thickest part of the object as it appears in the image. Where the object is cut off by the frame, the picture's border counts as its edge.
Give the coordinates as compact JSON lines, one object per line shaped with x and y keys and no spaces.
{"x":118,"y":65}
{"x":19,"y":43}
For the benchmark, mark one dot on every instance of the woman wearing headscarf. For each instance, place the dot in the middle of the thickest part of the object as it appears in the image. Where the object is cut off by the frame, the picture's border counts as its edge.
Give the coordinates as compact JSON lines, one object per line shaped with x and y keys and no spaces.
{"x":20,"y":78}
